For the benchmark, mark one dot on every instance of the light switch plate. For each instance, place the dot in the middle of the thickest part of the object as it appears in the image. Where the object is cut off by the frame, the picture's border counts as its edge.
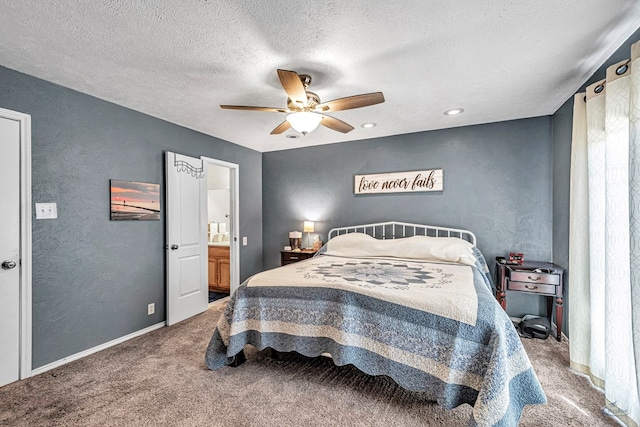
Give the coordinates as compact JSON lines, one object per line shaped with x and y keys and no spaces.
{"x":46,"y":211}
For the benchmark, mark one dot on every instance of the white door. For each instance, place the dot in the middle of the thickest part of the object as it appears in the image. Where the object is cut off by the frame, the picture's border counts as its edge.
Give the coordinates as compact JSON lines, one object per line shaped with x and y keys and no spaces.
{"x":9,"y":251}
{"x":187,"y":278}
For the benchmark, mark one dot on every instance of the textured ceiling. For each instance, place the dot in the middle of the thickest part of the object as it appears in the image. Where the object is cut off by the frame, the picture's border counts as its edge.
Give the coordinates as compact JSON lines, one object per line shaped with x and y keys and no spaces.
{"x":179,"y":60}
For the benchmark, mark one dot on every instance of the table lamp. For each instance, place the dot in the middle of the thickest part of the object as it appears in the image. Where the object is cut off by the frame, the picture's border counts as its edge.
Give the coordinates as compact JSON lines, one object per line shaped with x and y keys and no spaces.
{"x":295,"y":239}
{"x":308,"y":228}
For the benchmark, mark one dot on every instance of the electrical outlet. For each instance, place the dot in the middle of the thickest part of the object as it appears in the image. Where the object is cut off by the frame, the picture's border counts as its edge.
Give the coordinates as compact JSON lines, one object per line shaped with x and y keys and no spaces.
{"x":151,"y":308}
{"x":244,"y":241}
{"x":46,"y":211}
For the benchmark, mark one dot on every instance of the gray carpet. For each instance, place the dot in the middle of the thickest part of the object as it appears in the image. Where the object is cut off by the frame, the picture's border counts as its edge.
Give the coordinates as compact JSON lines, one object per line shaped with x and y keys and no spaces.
{"x":160,"y":379}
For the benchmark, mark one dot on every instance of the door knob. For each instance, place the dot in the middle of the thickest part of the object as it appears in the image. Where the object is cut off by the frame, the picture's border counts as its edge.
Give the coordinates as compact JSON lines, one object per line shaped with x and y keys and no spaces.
{"x":8,"y":265}
{"x":174,"y":247}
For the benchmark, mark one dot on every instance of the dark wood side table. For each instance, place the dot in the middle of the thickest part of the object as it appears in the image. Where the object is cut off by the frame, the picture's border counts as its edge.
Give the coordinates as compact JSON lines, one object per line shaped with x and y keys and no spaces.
{"x":289,"y":257}
{"x":539,"y":278}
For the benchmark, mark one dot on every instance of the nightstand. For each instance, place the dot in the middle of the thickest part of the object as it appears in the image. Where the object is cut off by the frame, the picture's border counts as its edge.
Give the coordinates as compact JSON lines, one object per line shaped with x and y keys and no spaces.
{"x":537,"y":278}
{"x":289,"y":257}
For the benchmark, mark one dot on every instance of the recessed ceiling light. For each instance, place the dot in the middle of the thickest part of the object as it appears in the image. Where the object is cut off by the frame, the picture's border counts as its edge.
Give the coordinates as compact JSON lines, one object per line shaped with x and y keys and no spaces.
{"x":292,"y":136}
{"x":368,"y":125}
{"x":453,"y":111}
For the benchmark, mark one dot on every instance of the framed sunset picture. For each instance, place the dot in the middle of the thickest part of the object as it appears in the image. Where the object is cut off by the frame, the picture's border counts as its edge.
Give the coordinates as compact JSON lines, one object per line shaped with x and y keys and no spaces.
{"x":132,"y":200}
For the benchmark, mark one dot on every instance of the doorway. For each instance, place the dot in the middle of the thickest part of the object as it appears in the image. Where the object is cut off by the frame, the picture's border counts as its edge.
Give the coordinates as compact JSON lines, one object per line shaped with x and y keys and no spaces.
{"x":222,"y":228}
{"x":186,"y":236}
{"x":15,"y":252}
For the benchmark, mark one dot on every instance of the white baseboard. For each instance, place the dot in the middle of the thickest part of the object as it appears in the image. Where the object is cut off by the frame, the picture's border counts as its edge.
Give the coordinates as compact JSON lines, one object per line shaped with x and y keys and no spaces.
{"x":95,"y":349}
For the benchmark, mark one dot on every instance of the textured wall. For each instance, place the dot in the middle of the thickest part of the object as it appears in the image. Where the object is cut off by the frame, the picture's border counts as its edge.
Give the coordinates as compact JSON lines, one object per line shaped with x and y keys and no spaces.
{"x":92,"y":277}
{"x":562,"y":129}
{"x":497,"y":183}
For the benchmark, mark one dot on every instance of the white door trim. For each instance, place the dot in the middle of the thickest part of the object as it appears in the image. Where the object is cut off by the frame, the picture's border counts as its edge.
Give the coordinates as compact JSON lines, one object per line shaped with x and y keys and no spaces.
{"x":234,"y":186}
{"x":25,"y":238}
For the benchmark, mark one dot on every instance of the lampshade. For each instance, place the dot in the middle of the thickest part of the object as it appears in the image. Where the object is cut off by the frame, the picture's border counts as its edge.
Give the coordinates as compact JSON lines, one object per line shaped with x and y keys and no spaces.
{"x":308,"y":227}
{"x":304,"y":122}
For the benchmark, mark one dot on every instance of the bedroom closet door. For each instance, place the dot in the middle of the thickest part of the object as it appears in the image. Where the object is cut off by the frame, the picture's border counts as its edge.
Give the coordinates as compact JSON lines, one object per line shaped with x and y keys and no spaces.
{"x":186,"y":217}
{"x":15,"y":249}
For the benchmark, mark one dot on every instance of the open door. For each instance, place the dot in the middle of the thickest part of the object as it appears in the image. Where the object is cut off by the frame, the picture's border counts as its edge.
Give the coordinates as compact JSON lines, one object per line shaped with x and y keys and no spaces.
{"x":234,"y":212}
{"x":187,"y":278}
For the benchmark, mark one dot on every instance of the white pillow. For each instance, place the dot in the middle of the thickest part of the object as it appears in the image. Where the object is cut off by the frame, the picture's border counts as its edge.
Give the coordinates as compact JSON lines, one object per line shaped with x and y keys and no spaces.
{"x":424,"y":248}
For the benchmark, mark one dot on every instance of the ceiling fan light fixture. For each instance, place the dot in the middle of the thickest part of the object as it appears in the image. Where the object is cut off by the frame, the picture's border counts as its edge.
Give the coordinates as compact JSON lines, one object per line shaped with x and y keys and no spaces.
{"x":306,"y":111}
{"x":304,"y":121}
{"x":368,"y":125}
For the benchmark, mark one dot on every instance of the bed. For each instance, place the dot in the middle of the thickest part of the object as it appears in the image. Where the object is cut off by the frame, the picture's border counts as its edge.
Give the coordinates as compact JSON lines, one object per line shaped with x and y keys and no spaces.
{"x":409,"y":301}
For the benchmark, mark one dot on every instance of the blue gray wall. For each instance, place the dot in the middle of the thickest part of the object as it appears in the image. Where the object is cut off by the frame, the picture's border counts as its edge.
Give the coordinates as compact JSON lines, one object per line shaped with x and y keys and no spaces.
{"x":497,"y":183}
{"x":92,"y":277}
{"x":562,"y":131}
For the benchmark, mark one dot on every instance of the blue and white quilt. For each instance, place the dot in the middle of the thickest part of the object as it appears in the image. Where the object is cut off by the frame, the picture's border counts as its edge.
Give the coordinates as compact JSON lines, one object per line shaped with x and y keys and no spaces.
{"x":431,"y":326}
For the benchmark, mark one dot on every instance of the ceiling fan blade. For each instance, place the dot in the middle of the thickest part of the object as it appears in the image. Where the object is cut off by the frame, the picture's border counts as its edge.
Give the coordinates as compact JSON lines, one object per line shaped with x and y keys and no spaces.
{"x":292,"y":84}
{"x":335,"y":124}
{"x":350,"y":102}
{"x":281,"y":128}
{"x":249,"y":108}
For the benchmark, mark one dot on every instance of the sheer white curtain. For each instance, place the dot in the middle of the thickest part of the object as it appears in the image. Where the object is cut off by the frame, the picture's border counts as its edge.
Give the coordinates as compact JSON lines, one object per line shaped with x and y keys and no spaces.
{"x":604,"y":237}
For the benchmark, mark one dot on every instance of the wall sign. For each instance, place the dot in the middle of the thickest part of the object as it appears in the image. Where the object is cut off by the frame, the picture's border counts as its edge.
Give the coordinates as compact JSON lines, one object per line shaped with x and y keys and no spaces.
{"x":399,"y":182}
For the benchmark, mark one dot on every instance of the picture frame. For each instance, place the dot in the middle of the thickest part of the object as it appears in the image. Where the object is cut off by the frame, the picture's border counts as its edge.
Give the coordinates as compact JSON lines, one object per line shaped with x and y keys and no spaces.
{"x":134,"y":201}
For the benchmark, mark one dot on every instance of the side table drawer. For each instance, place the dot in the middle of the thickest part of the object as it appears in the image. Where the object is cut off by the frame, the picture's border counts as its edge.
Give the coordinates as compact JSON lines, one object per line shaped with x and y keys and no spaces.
{"x":289,"y":257}
{"x":292,"y":257}
{"x":534,"y":277}
{"x":539,"y":288}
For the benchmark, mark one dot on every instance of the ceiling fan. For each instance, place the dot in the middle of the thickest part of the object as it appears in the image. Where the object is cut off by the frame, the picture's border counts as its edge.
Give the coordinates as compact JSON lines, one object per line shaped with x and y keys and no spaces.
{"x":305,"y":111}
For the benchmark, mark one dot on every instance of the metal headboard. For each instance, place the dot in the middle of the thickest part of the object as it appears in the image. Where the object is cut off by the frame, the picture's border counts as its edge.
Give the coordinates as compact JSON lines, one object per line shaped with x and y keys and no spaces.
{"x":393,"y":230}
